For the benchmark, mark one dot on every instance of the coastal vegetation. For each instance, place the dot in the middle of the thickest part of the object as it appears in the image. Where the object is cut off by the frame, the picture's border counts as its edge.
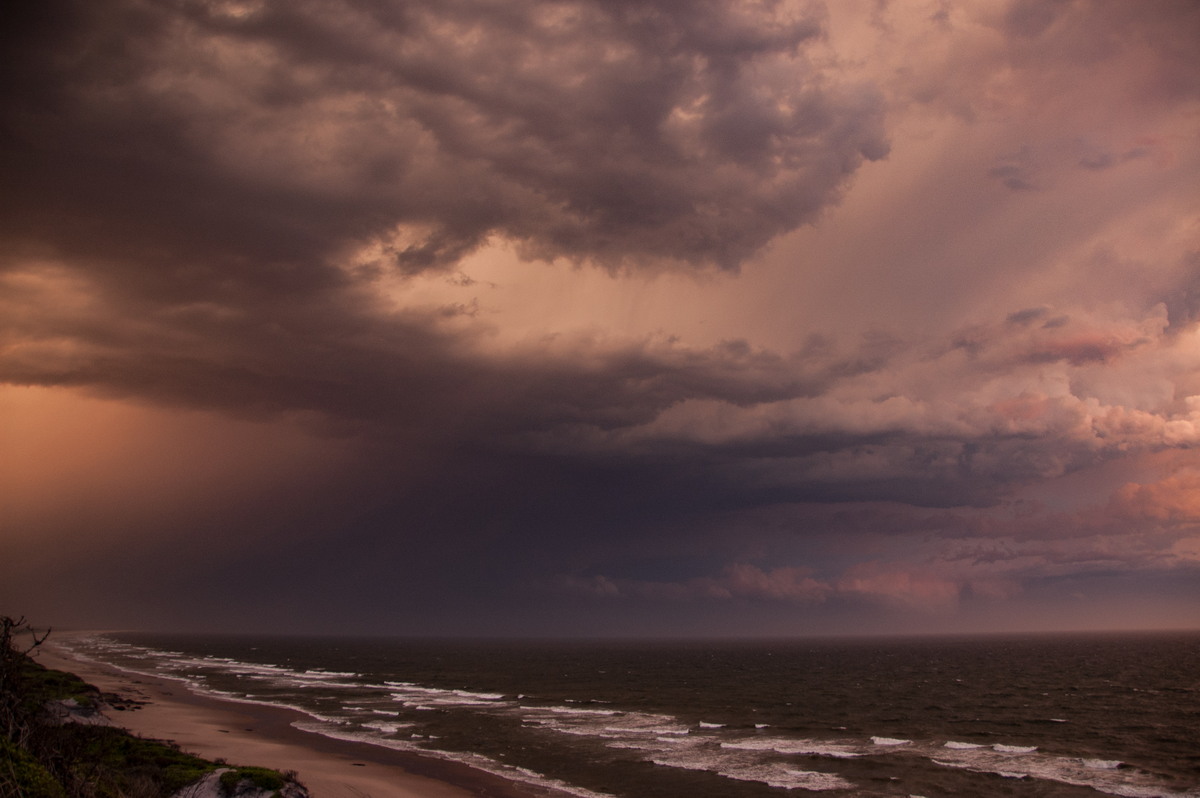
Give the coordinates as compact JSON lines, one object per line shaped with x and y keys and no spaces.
{"x":55,"y":743}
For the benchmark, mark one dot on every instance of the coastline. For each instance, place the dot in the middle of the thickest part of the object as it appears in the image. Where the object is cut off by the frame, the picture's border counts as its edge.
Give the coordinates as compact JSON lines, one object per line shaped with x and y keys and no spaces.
{"x":260,"y":735}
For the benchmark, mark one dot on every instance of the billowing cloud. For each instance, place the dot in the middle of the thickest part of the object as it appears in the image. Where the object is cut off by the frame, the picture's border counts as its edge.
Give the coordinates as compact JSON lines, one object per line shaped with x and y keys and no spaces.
{"x":1174,"y":500}
{"x":280,"y":137}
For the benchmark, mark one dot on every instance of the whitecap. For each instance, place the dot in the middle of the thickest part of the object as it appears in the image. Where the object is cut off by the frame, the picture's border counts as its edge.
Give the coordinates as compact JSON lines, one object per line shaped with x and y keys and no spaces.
{"x":773,"y":775}
{"x":579,"y":711}
{"x":1110,"y":777}
{"x":477,"y":761}
{"x":781,"y":745}
{"x":387,"y":728}
{"x":321,"y":673}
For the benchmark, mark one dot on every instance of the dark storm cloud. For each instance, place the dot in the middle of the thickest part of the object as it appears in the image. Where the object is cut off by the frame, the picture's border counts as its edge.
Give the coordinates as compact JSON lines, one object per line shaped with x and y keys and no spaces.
{"x":243,"y":208}
{"x":262,"y":140}
{"x":199,"y":168}
{"x":729,"y":426}
{"x":199,"y":191}
{"x":343,"y":359}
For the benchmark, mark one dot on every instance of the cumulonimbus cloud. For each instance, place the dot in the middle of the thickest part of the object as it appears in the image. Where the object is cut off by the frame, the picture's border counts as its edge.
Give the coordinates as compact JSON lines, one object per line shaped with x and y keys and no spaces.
{"x":405,"y":135}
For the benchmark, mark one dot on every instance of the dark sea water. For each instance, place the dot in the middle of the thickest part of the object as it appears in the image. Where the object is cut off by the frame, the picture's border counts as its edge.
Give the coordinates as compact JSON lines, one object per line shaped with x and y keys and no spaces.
{"x":1034,"y":716}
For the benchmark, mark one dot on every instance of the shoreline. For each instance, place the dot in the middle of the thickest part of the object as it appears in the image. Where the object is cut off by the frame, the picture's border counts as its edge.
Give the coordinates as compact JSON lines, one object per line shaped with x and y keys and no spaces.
{"x":263,"y":735}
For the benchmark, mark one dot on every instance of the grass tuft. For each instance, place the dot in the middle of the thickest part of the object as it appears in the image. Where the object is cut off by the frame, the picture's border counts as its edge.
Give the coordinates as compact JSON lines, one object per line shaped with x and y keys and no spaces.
{"x":262,"y":778}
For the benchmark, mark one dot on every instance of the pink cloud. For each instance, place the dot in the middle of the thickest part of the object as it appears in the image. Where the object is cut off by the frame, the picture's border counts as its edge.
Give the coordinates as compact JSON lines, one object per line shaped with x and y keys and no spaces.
{"x":747,"y":581}
{"x":1173,"y":500}
{"x":739,"y":581}
{"x":895,"y":583}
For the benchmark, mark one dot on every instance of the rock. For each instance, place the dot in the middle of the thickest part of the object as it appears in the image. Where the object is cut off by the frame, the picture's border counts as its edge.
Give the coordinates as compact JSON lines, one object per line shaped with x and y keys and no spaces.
{"x":211,"y":787}
{"x":68,"y":710}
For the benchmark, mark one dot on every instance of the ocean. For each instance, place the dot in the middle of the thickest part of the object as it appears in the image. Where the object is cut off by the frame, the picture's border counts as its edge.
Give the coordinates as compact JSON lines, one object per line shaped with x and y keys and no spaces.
{"x":984,"y":716}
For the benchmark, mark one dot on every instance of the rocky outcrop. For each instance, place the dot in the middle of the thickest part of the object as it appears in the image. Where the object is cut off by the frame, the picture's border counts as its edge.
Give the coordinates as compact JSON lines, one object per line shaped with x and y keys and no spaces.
{"x":71,"y":710}
{"x":219,"y":784}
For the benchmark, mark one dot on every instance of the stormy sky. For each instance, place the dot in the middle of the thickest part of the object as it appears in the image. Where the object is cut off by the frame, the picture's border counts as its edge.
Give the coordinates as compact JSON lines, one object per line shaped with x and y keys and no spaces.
{"x":600,"y":317}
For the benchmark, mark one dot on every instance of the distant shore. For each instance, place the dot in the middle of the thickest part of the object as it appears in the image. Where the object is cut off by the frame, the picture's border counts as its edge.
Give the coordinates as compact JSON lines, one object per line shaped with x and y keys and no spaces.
{"x":251,"y":734}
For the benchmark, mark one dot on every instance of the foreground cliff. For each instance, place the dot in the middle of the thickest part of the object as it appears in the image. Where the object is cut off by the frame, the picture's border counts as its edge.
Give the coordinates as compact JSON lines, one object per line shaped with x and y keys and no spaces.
{"x":57,"y":742}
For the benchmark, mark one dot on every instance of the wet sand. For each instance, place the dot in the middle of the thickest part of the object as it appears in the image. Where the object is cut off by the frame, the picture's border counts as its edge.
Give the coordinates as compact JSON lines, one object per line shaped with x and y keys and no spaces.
{"x":250,"y":734}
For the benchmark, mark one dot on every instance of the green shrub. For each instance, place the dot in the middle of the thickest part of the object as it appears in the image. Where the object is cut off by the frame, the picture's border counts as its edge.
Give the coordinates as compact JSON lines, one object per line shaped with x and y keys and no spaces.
{"x":121,"y":754}
{"x":21,"y":774}
{"x":262,"y":778}
{"x":38,"y":684}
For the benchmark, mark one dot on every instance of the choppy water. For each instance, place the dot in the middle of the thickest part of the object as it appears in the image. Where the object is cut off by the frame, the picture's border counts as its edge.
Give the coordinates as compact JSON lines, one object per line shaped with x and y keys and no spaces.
{"x":1068,"y":716}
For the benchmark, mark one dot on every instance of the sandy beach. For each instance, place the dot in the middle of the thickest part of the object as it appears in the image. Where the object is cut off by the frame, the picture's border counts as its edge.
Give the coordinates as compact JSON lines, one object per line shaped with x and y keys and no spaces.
{"x":249,"y":734}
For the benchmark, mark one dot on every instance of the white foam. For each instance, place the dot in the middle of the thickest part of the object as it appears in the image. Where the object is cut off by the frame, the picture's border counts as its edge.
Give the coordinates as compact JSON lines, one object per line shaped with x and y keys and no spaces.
{"x":583,"y":701}
{"x":476,"y":761}
{"x":410,"y":687}
{"x":572,"y":731}
{"x":580,"y":711}
{"x":649,"y":730}
{"x":387,"y":728}
{"x":238,"y":699}
{"x":303,"y":684}
{"x":818,"y":780}
{"x":630,"y":745}
{"x":1110,"y":777}
{"x":321,"y":673}
{"x":662,"y":739}
{"x":781,"y":745}
{"x":277,"y":675}
{"x":189,"y":682}
{"x":771,"y":774}
{"x":606,"y":724}
{"x":413,"y":695}
{"x":245,"y":668}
